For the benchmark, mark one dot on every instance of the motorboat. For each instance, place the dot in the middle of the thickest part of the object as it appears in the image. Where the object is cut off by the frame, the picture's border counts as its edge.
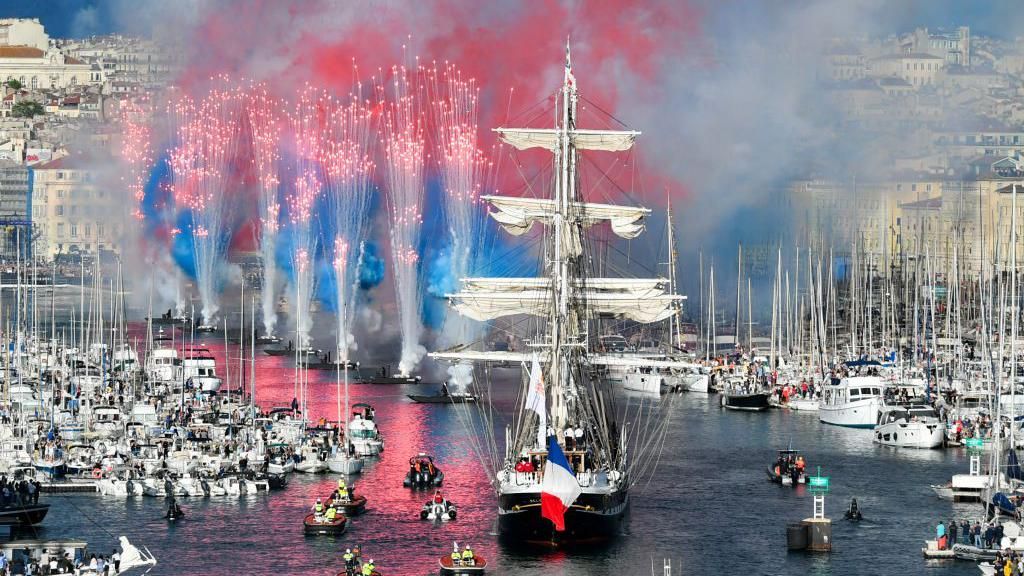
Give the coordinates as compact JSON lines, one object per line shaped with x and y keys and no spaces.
{"x":438,"y":509}
{"x":280,"y":462}
{"x":853,"y":402}
{"x":200,"y":368}
{"x":362,"y":431}
{"x":174,"y":512}
{"x":803,"y":404}
{"x":70,"y":553}
{"x":354,"y":505}
{"x":744,"y":396}
{"x":445,"y":397}
{"x":914,"y":426}
{"x":423,"y":473}
{"x":309,"y":461}
{"x":478,"y":565}
{"x":317,"y":525}
{"x":787,"y":469}
{"x":23,"y":514}
{"x":343,"y":463}
{"x":384,"y":376}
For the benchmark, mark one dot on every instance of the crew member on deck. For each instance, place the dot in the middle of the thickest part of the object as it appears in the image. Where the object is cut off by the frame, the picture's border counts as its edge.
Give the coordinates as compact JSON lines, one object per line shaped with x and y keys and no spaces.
{"x":467,"y":556}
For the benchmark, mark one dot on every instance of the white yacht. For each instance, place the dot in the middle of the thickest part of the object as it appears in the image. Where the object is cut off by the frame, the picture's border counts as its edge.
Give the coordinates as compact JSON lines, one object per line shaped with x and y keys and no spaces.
{"x":914,"y":426}
{"x":200,"y":367}
{"x":853,"y":402}
{"x":163,"y":365}
{"x":362,"y":431}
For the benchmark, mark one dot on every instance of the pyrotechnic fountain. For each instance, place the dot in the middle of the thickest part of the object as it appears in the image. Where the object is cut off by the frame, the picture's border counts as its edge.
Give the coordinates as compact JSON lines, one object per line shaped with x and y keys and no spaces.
{"x":200,"y":165}
{"x":454,"y":104}
{"x":347,"y":170}
{"x":404,"y":157}
{"x":307,"y":124}
{"x":265,"y":124}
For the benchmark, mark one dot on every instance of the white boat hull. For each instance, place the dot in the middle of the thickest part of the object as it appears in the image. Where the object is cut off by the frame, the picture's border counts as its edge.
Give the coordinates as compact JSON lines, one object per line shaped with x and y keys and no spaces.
{"x":856,"y":414}
{"x":923,"y":435}
{"x":345,"y":465}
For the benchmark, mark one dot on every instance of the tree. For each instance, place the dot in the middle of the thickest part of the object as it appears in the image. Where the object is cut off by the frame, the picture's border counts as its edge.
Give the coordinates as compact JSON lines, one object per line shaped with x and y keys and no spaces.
{"x":27,"y":109}
{"x":14,"y":84}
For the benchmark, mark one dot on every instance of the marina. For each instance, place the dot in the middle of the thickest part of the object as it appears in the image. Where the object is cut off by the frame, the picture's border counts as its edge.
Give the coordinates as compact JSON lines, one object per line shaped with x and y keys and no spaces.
{"x":556,"y":290}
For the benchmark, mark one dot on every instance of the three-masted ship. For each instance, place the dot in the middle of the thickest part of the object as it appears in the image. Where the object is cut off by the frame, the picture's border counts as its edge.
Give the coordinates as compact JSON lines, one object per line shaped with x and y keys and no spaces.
{"x":577,"y":404}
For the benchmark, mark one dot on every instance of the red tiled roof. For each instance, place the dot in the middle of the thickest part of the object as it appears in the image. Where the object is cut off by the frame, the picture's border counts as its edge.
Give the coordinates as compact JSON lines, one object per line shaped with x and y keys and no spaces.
{"x":20,"y":52}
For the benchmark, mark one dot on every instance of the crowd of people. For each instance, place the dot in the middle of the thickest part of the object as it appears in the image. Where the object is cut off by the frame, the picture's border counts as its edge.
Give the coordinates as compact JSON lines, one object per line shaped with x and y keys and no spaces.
{"x":17,"y":493}
{"x":45,"y":564}
{"x":986,"y":537}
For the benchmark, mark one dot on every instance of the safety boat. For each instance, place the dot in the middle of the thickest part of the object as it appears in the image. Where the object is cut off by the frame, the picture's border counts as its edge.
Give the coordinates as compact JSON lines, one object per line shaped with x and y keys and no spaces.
{"x":478,"y":565}
{"x":786,"y":470}
{"x":438,"y":509}
{"x":320,"y":525}
{"x":445,"y":397}
{"x":423,"y":473}
{"x":353,"y":506}
{"x":384,"y":376}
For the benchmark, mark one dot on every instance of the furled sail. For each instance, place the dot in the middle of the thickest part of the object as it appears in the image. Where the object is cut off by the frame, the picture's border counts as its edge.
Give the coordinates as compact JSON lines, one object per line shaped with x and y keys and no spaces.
{"x":517,"y":215}
{"x":547,"y":138}
{"x":492,"y":298}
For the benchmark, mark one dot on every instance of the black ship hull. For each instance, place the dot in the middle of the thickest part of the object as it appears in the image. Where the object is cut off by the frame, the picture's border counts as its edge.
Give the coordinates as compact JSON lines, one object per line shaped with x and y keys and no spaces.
{"x":745,"y":401}
{"x":441,"y":399}
{"x":27,"y":515}
{"x":592,"y":519}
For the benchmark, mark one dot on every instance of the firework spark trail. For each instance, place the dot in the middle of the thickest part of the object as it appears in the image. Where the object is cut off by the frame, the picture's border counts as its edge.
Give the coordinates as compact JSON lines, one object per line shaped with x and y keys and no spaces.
{"x":265,"y":124}
{"x":200,"y":163}
{"x":454,"y":103}
{"x":307,"y":125}
{"x":404,"y":158}
{"x":137,"y":151}
{"x":347,"y":169}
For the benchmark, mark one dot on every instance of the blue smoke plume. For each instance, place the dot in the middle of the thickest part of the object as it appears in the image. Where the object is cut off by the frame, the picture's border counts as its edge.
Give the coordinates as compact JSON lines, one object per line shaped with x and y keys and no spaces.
{"x":183,"y":246}
{"x":371,"y":268}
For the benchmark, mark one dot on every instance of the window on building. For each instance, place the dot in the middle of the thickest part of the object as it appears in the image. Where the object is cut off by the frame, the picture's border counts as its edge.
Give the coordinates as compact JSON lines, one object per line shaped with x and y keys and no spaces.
{"x":60,"y":210}
{"x":99,"y":230}
{"x":88,"y":228}
{"x":60,"y":230}
{"x":74,"y":231}
{"x":60,"y":175}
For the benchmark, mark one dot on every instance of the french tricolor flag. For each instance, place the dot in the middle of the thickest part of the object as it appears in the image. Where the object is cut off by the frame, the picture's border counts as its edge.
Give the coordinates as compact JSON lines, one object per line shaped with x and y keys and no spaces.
{"x":559,"y":489}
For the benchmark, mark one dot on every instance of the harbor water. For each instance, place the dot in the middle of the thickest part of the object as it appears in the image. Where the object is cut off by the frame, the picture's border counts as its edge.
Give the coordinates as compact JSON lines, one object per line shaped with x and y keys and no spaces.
{"x":708,"y":506}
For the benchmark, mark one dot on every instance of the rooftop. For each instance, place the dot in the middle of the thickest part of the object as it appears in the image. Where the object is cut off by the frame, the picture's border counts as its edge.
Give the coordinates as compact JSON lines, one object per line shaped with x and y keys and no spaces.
{"x":20,"y":52}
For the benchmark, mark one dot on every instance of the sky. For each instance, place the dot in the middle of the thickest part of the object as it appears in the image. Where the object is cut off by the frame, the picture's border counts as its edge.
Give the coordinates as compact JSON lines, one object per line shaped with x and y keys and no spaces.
{"x":70,"y":18}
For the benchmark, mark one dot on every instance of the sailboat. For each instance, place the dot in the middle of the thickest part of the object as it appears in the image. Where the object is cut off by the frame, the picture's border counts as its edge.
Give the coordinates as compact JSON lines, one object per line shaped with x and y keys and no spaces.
{"x":569,"y":393}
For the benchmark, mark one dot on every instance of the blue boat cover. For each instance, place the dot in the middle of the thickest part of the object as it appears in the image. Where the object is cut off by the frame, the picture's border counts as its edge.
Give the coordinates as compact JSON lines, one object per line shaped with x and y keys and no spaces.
{"x":1002,"y":501}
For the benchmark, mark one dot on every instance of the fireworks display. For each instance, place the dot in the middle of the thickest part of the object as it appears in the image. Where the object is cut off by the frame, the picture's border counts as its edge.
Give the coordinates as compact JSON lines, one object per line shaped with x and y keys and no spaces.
{"x":202,"y":166}
{"x":302,"y":167}
{"x":404,"y":158}
{"x":265,"y":125}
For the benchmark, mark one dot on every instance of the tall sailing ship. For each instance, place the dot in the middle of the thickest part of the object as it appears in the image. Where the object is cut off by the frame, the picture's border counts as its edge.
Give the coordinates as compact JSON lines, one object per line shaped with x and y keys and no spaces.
{"x":571,"y":399}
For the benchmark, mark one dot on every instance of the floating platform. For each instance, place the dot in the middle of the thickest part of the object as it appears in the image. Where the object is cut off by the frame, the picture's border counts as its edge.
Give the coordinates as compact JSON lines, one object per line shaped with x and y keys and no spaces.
{"x":932,"y":552}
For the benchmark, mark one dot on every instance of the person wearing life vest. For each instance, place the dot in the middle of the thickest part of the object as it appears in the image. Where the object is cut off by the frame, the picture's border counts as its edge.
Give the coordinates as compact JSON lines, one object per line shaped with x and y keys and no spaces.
{"x":456,"y":557}
{"x":349,"y":558}
{"x":331,"y":514}
{"x":467,"y":556}
{"x":800,"y":464}
{"x":341,"y":483}
{"x":342,"y":493}
{"x":318,"y":508}
{"x":369,"y":568}
{"x":438,"y":498}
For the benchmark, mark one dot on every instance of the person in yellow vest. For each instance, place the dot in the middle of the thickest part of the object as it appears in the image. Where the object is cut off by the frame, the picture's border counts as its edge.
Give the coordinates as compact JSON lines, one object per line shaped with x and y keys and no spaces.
{"x":456,"y":557}
{"x":331,"y":513}
{"x":348,"y":557}
{"x":342,"y":493}
{"x":369,"y":568}
{"x":341,"y":483}
{"x":318,"y":508}
{"x":467,"y":556}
